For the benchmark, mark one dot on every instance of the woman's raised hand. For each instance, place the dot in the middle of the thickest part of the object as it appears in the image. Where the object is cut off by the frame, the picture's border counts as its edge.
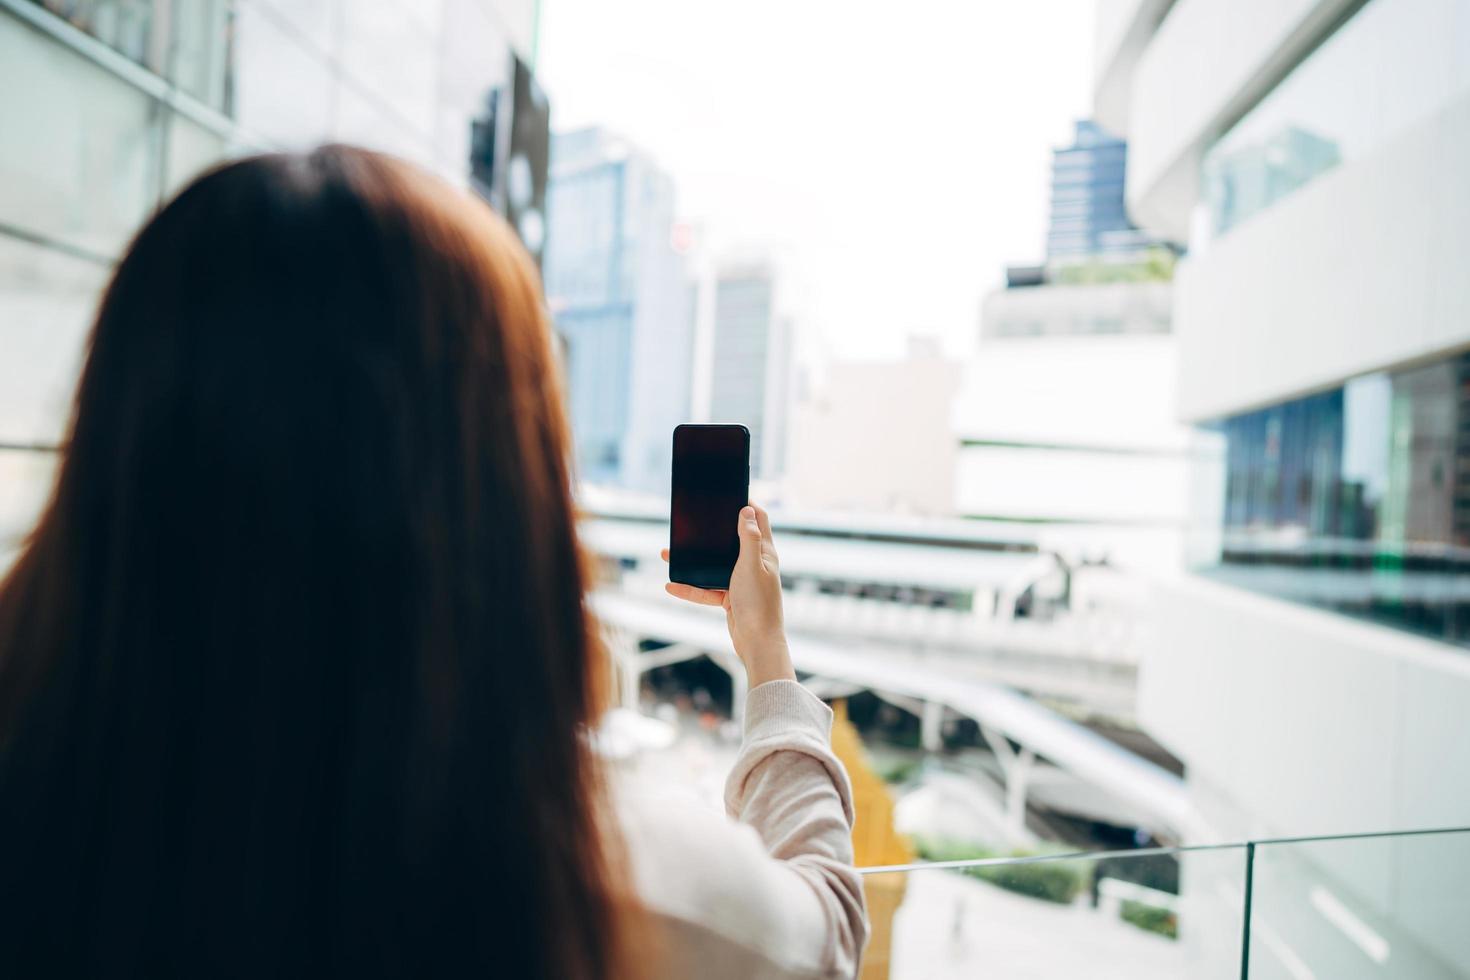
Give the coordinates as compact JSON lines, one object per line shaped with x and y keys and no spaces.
{"x":752,"y":604}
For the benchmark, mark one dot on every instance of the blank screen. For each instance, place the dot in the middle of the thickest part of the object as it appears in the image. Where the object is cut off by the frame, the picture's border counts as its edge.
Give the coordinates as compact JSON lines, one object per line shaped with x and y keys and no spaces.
{"x":710,"y":485}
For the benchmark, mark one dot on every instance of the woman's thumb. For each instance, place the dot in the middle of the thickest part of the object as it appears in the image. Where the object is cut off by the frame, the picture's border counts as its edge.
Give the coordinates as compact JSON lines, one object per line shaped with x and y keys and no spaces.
{"x":750,"y":534}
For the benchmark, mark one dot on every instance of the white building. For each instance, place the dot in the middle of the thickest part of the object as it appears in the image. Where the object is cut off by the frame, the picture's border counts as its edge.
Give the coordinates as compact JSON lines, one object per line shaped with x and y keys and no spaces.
{"x":1067,"y":421}
{"x":851,"y":451}
{"x":108,"y":108}
{"x":1311,"y":670}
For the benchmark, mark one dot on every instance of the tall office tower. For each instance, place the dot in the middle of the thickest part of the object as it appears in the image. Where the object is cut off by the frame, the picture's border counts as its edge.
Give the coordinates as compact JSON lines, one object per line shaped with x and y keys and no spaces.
{"x":1311,"y":669}
{"x":1088,"y":217}
{"x":623,"y":306}
{"x":751,"y":363}
{"x":108,"y":108}
{"x":1066,"y":419}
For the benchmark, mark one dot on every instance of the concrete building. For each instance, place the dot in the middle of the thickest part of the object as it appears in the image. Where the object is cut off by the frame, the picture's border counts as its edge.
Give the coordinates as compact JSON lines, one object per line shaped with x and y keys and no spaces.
{"x":1066,"y":418}
{"x":110,"y":107}
{"x":889,"y":455}
{"x":1074,"y":435}
{"x":1311,"y":668}
{"x":623,"y":306}
{"x":750,"y":363}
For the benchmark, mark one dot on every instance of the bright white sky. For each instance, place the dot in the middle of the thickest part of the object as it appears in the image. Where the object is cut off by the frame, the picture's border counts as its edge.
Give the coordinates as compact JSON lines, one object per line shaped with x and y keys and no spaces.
{"x":892,"y":156}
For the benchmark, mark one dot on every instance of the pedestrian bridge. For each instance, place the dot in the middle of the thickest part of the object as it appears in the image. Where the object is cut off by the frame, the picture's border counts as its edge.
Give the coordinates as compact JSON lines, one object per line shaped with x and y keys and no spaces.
{"x":1156,"y":798}
{"x":976,"y":607}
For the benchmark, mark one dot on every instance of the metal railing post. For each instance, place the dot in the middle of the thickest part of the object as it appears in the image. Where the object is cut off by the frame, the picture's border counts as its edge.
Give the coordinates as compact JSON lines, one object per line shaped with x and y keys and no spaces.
{"x":1245,"y":926}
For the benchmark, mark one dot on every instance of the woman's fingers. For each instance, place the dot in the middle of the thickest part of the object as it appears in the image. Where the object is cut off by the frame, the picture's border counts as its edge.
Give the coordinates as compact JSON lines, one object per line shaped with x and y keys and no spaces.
{"x":704,"y":597}
{"x":664,"y":554}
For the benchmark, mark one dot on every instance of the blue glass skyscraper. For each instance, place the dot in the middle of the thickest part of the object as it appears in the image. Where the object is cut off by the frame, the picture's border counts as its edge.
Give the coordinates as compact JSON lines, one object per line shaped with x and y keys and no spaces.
{"x":622,"y":305}
{"x":1088,"y":217}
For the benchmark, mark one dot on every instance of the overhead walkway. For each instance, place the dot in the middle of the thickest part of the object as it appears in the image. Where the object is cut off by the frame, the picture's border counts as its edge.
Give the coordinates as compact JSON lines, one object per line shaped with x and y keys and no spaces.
{"x":1157,"y":795}
{"x":931,"y":598}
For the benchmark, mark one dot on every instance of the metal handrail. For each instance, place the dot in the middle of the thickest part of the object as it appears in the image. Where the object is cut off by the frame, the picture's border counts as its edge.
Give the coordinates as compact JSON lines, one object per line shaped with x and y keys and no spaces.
{"x":1147,"y":851}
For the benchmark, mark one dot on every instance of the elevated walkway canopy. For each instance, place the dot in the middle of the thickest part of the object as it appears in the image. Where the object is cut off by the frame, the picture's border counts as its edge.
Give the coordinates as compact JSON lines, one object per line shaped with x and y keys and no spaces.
{"x":1153,"y":792}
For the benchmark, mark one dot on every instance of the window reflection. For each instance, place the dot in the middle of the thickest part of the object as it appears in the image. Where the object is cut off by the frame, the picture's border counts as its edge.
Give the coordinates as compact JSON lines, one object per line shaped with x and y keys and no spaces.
{"x":126,"y":26}
{"x":185,"y":42}
{"x":1394,"y":64}
{"x":1358,"y":499}
{"x":199,"y":45}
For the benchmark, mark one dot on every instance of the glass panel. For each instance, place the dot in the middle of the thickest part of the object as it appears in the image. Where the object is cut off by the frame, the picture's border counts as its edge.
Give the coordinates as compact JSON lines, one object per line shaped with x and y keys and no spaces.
{"x":583,"y":213}
{"x":597,"y":363}
{"x":199,"y":46}
{"x":1357,"y":499}
{"x":1138,"y":916}
{"x":79,"y":162}
{"x":132,"y":28}
{"x":46,"y":305}
{"x":1362,"y":907}
{"x":1394,"y":64}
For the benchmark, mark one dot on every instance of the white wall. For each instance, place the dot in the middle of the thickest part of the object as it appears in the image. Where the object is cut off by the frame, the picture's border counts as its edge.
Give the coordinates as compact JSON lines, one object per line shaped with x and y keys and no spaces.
{"x":1208,"y":61}
{"x":1101,"y":309}
{"x":1295,"y":721}
{"x":875,"y":437}
{"x":1362,"y":269}
{"x":1089,"y":444}
{"x":1106,"y":391}
{"x":1071,"y":485}
{"x":1121,"y":31}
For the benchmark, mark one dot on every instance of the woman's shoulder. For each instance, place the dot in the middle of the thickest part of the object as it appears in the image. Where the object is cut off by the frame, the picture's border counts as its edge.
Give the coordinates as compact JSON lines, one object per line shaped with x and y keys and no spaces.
{"x":719,"y":896}
{"x":686,"y":855}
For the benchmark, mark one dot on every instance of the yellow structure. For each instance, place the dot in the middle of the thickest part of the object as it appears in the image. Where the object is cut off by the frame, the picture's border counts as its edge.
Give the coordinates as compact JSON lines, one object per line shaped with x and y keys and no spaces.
{"x":874,"y":840}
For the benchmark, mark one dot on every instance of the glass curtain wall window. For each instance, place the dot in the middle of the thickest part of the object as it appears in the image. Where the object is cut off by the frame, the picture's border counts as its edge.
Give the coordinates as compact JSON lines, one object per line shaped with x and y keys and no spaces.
{"x":184,"y":41}
{"x":1394,"y":64}
{"x":1358,"y":499}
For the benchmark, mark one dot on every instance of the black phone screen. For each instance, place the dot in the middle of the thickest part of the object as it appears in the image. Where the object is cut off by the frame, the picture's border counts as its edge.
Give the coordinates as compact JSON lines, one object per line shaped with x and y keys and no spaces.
{"x":711,"y":483}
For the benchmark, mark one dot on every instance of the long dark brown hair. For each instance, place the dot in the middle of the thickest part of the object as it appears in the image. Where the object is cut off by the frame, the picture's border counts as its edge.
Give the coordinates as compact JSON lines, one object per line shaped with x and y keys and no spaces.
{"x":295,"y":669}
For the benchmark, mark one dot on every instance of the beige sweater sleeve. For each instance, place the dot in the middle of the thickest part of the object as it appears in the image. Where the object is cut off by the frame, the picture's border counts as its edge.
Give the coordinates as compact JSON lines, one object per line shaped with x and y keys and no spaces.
{"x":770,"y":894}
{"x":789,"y":786}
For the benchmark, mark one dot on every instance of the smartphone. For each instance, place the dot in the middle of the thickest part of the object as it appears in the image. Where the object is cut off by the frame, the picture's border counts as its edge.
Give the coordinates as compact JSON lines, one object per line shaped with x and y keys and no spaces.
{"x":711,"y":483}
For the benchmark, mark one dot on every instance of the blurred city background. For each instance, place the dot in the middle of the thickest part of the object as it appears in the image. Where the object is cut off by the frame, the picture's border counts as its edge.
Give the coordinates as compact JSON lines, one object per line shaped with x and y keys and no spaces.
{"x":1106,"y":369}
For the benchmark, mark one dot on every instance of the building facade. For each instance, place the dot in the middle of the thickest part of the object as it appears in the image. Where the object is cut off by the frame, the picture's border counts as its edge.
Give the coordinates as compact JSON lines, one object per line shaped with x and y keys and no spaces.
{"x":1088,"y":218}
{"x":623,"y":306}
{"x":1311,"y":668}
{"x":1066,"y":417}
{"x":853,"y":452}
{"x":750,"y":363}
{"x":109,"y":107}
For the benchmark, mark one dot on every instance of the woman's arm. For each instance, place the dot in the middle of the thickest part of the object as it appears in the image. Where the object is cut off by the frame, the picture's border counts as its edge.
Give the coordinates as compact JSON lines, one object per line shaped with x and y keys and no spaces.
{"x":786,"y":784}
{"x":789,"y":787}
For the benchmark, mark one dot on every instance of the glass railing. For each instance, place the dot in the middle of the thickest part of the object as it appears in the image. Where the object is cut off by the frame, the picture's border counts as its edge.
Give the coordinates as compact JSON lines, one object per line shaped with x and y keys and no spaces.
{"x":1360,"y":906}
